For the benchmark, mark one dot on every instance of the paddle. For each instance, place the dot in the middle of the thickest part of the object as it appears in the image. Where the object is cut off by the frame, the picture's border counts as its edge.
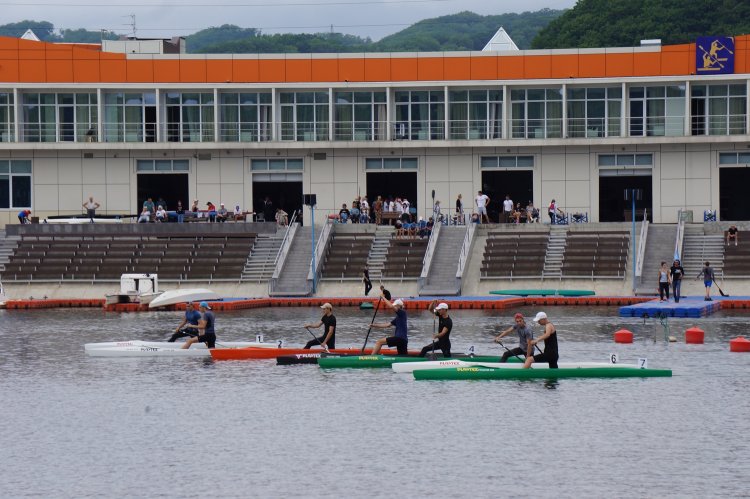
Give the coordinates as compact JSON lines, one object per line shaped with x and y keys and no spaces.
{"x":371,"y":323}
{"x":508,"y":349}
{"x":434,"y":330}
{"x":316,"y":339}
{"x":195,"y":335}
{"x":720,"y":291}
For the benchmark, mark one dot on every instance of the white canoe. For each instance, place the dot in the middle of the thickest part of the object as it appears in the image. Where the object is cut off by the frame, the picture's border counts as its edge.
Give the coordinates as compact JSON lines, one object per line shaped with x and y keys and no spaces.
{"x":409,"y":367}
{"x":138,"y":348}
{"x":175,"y":296}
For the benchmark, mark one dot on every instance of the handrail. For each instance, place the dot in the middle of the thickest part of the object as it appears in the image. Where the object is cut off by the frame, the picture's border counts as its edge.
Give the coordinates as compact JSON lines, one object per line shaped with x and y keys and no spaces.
{"x":427,"y":260}
{"x":320,"y":248}
{"x":465,"y":250}
{"x":680,"y":235}
{"x":641,"y":246}
{"x":286,"y":244}
{"x":284,"y":240}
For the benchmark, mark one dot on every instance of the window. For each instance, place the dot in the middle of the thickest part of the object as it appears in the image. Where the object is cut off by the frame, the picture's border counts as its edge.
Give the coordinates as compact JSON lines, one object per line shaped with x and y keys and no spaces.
{"x":360,"y":116}
{"x":476,"y":114}
{"x":420,"y":115}
{"x":304,"y":116}
{"x":277,"y":164}
{"x":391,"y":163}
{"x":718,"y":109}
{"x":15,"y":183}
{"x":625,"y":160}
{"x":594,"y":112}
{"x":734,"y":158}
{"x":130,"y":117}
{"x":536,"y":113}
{"x":189,"y":116}
{"x":163,"y":165}
{"x":657,"y":111}
{"x":7,"y":117}
{"x":245,"y":117}
{"x":507,"y":161}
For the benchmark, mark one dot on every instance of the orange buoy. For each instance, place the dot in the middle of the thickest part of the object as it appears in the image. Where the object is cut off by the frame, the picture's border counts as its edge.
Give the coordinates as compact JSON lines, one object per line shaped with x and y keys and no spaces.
{"x":694,"y":336}
{"x":623,"y":336}
{"x":739,"y":344}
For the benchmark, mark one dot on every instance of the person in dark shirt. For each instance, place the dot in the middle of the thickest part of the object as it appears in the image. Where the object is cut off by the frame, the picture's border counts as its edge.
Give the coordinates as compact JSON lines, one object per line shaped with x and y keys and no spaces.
{"x":344,"y":214}
{"x":367,"y":281}
{"x":732,"y":234}
{"x":400,"y":338}
{"x":207,"y":332}
{"x":677,"y":273}
{"x":386,"y":294}
{"x":192,"y":317}
{"x":328,"y":321}
{"x":441,"y":339}
{"x":708,"y":279}
{"x":549,"y":337}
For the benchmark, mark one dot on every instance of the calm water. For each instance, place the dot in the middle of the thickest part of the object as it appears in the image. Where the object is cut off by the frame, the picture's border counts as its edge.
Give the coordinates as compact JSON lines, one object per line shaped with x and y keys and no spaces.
{"x":74,"y":426}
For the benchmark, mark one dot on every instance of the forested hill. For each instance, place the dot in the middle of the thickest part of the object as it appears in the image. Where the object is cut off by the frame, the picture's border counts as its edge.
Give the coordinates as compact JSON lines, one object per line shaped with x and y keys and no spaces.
{"x":624,"y":23}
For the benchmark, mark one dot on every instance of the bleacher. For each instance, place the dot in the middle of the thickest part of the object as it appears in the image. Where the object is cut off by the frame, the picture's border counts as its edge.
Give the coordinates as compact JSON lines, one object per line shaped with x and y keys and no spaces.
{"x":405,"y":257}
{"x":592,"y":255}
{"x":347,"y":255}
{"x":737,"y":258}
{"x":514,"y":255}
{"x":105,"y":258}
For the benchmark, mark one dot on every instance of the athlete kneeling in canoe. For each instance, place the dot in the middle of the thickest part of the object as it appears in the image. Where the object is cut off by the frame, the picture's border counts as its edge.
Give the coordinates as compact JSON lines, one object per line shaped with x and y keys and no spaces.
{"x":328,"y":321}
{"x":440,"y":340}
{"x":207,"y":333}
{"x":192,"y":316}
{"x":525,"y":335}
{"x":400,"y":338}
{"x":550,"y":344}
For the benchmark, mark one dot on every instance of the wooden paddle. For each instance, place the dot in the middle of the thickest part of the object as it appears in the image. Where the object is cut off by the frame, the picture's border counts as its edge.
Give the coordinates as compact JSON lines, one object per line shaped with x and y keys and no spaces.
{"x":371,"y":323}
{"x":508,"y":349}
{"x":316,"y":338}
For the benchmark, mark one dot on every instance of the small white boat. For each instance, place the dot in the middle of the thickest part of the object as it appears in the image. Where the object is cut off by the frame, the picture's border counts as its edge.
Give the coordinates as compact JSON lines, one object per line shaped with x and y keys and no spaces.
{"x":409,"y":367}
{"x":175,"y":296}
{"x":135,"y":288}
{"x":138,"y":348}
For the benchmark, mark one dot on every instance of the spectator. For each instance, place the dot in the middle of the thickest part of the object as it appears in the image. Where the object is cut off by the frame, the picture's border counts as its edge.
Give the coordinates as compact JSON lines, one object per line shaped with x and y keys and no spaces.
{"x":194,"y":208}
{"x":427,"y":230}
{"x":475,"y":218}
{"x":460,"y":210}
{"x":406,"y":205}
{"x":665,"y":279}
{"x":23,"y":217}
{"x":517,"y":213}
{"x":677,"y":273}
{"x":507,"y":210}
{"x":482,"y":201}
{"x":364,"y":208}
{"x":366,"y":280}
{"x":552,"y":211}
{"x":436,"y":212}
{"x":161,"y":214}
{"x":91,"y":207}
{"x":268,"y":211}
{"x":161,"y":202}
{"x":282,"y":217}
{"x":733,"y":234}
{"x":211,"y":211}
{"x":532,"y":213}
{"x":149,"y":204}
{"x":222,"y":214}
{"x":707,"y":272}
{"x":145,"y":216}
{"x":180,"y":212}
{"x":238,"y":215}
{"x":354,"y":212}
{"x":377,"y":207}
{"x":344,"y":214}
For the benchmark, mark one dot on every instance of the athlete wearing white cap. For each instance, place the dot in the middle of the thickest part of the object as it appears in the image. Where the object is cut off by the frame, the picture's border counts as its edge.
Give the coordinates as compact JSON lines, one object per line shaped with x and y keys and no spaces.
{"x":328,"y":321}
{"x":441,"y":339}
{"x":400,"y":338}
{"x":549,"y":337}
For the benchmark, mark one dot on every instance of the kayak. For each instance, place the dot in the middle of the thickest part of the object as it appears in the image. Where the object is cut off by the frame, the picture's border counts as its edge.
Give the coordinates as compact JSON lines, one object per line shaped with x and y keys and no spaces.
{"x":379,"y":361}
{"x":539,"y":372}
{"x":313,"y":356}
{"x":513,"y":363}
{"x":273,"y":353}
{"x":137,"y":348}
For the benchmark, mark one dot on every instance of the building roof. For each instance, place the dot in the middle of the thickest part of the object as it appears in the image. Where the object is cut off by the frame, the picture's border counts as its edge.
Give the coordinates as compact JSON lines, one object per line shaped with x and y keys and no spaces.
{"x":500,"y":41}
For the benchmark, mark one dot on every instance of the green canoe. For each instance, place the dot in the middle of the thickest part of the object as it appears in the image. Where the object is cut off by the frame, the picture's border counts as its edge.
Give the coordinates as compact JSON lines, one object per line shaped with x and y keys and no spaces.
{"x":363,"y":361}
{"x":366,"y":305}
{"x":464,"y":373}
{"x":544,"y":292}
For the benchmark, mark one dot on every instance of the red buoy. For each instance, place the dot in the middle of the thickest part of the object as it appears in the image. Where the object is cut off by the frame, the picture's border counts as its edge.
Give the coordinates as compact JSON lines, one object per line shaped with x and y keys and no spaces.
{"x":623,"y":336}
{"x":739,"y":344}
{"x":694,"y":336}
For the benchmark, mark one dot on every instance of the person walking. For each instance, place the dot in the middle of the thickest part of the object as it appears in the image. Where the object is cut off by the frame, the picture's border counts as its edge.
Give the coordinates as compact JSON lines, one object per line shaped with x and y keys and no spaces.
{"x":550,"y":354}
{"x":441,"y":338}
{"x":460,"y":211}
{"x":665,"y":280}
{"x":91,"y":207}
{"x":366,"y":280}
{"x":507,"y":210}
{"x":677,"y":273}
{"x":525,"y":335}
{"x":708,"y":279}
{"x":552,"y":212}
{"x":386,"y":294}
{"x":482,"y":201}
{"x":328,"y":321}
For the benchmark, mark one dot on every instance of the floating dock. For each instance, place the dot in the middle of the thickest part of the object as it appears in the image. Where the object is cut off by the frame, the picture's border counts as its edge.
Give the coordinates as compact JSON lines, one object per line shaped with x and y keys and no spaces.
{"x":687,"y":307}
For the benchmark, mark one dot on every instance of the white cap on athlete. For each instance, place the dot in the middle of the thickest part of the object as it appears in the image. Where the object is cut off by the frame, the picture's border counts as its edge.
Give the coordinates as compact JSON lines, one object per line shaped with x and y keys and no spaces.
{"x":540,"y":316}
{"x":442,"y":306}
{"x":398,"y":302}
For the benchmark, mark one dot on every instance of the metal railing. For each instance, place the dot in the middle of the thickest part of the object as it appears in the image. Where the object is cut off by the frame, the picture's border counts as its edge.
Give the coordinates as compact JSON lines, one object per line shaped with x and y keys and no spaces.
{"x":463,"y":258}
{"x":320,"y":248}
{"x":286,"y":243}
{"x":680,"y":235}
{"x":428,"y":254}
{"x":641,"y":246}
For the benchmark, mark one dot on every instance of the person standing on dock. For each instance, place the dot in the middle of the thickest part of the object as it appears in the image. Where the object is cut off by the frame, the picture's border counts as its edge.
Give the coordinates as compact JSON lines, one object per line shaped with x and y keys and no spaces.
{"x":206,"y":330}
{"x":550,"y":354}
{"x":708,"y":279}
{"x":366,"y":280}
{"x":91,"y":207}
{"x":400,"y":338}
{"x":525,"y":335}
{"x":192,"y":317}
{"x":328,"y":321}
{"x":441,"y":339}
{"x":386,"y":294}
{"x":665,"y":279}
{"x":677,"y":273}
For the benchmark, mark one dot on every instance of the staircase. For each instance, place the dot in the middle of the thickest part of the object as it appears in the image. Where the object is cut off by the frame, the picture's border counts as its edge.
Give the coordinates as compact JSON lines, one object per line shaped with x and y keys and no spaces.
{"x":698,"y":247}
{"x":378,"y":250}
{"x":555,"y":253}
{"x":441,"y":279}
{"x":261,"y":262}
{"x":659,"y":248}
{"x":7,"y":247}
{"x":293,"y":277}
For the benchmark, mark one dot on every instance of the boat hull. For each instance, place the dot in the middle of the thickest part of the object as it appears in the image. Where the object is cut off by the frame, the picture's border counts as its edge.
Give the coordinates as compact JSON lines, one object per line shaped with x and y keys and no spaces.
{"x":513,"y":363}
{"x":483,"y":373}
{"x":380,"y":361}
{"x":137,"y":348}
{"x":252,"y":353}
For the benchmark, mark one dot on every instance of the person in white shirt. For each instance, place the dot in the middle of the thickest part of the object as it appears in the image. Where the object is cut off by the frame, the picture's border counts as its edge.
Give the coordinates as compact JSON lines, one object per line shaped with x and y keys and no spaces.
{"x":482,"y":201}
{"x":507,"y":210}
{"x":436,"y":213}
{"x":161,"y":214}
{"x":145,"y":216}
{"x":406,"y":205}
{"x":398,"y":207}
{"x":364,"y":208}
{"x":91,"y":207}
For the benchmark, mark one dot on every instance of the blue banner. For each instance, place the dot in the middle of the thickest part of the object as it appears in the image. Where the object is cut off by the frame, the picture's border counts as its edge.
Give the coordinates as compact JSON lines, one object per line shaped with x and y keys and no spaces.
{"x":714,"y":55}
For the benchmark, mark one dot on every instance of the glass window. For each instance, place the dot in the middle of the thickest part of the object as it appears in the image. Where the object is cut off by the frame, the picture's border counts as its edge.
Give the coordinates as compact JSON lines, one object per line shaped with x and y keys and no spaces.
{"x":360,"y":116}
{"x":594,"y":112}
{"x":506,"y":161}
{"x":536,"y":113}
{"x":15,"y":184}
{"x":277,"y":164}
{"x":245,"y":117}
{"x":304,"y":116}
{"x":420,"y":115}
{"x":130,"y":117}
{"x":391,"y":163}
{"x":718,"y":109}
{"x":475,"y":114}
{"x":625,"y":160}
{"x":657,"y":111}
{"x":7,"y":117}
{"x":163,"y":165}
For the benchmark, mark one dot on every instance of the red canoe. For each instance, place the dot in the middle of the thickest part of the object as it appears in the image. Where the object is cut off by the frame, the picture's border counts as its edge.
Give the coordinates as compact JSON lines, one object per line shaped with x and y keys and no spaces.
{"x":272,"y":353}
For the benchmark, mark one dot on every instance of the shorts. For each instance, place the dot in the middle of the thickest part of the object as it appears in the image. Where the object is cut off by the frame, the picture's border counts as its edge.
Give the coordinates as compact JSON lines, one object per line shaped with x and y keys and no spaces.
{"x":549,"y":359}
{"x":708,"y":283}
{"x":482,"y":210}
{"x":399,"y":343}
{"x":209,"y":339}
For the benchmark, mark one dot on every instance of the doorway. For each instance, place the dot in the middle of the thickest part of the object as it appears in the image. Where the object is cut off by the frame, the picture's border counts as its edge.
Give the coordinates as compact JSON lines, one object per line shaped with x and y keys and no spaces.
{"x":612,"y":204}
{"x":172,"y":187}
{"x":519,"y":185}
{"x":393,"y":185}
{"x":733,"y":184}
{"x":286,"y":195}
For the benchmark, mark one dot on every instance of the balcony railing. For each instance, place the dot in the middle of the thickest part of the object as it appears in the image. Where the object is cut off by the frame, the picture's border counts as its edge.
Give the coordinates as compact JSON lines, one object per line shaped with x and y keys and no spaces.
{"x":594,"y":127}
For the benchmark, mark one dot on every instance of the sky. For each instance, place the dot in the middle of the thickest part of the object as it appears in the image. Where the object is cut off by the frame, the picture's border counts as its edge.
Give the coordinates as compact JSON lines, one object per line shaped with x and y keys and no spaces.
{"x":166,"y":18}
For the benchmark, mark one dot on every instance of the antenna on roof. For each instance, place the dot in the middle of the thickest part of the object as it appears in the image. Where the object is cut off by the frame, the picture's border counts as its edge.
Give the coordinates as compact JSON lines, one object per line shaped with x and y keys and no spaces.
{"x":132,"y":24}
